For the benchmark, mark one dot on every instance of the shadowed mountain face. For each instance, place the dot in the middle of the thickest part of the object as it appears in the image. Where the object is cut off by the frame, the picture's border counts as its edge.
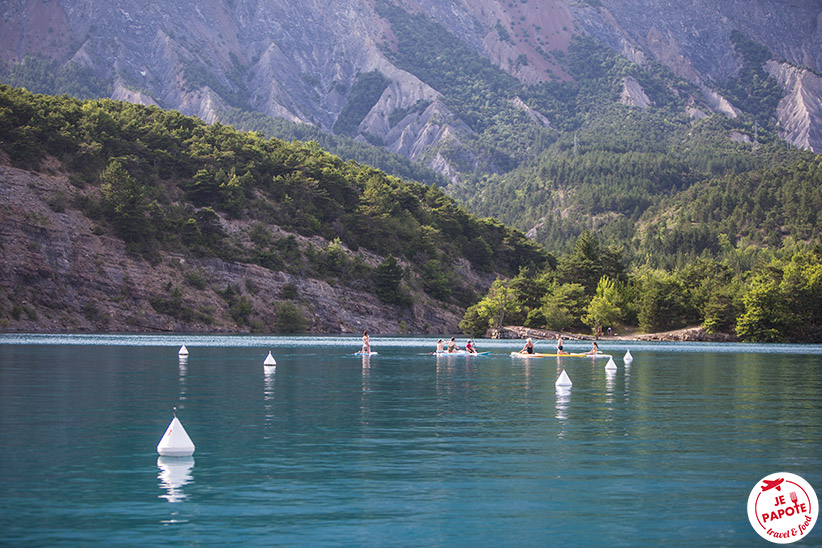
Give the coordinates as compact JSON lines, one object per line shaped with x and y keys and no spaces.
{"x":436,"y":81}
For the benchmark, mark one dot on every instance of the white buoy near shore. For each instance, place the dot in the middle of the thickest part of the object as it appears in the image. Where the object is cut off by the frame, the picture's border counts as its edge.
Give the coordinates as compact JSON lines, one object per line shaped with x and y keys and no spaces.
{"x":175,"y":442}
{"x":183,"y":351}
{"x":269,"y":360}
{"x":611,"y":365}
{"x":563,"y":380}
{"x":628,"y":358}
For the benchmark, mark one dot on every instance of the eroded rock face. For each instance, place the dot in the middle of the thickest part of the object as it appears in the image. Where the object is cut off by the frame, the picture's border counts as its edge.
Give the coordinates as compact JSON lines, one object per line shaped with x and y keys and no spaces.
{"x":633,"y":95}
{"x":800,"y":111}
{"x":58,"y":274}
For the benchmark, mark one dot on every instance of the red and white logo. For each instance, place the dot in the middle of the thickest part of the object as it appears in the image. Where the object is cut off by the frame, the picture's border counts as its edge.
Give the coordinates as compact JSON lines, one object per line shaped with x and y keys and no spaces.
{"x":783,"y":508}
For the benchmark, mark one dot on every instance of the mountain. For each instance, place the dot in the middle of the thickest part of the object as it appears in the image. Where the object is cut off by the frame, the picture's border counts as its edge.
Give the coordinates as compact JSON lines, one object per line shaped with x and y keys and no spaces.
{"x":442,"y":82}
{"x":122,"y":217}
{"x":554,"y":116}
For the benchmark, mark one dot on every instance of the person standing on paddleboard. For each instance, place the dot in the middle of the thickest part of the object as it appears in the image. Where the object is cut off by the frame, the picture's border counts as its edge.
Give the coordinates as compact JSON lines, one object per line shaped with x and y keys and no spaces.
{"x":366,"y":343}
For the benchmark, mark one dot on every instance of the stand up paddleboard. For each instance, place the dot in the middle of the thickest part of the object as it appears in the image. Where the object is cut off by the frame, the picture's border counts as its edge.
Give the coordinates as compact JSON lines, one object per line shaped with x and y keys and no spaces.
{"x":460,"y":353}
{"x":575,"y":355}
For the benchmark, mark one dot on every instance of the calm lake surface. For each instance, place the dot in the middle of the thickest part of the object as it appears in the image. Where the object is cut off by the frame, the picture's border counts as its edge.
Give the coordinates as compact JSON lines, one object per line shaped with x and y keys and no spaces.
{"x":399,"y":449}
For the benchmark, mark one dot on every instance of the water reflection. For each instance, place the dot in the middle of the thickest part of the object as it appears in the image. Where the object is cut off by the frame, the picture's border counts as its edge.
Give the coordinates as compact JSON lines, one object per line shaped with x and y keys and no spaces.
{"x":365,"y":388}
{"x":268,"y":391}
{"x":610,"y":380}
{"x":366,"y":373}
{"x":175,"y":472}
{"x":183,"y":370}
{"x":563,"y":401}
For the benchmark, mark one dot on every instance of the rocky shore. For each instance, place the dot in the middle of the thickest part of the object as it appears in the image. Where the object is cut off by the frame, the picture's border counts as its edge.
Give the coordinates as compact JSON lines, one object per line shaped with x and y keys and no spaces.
{"x":691,"y":334}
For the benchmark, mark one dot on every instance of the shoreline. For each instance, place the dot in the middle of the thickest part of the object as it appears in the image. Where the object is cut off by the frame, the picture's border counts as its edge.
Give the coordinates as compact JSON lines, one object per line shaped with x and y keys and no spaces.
{"x":687,"y":334}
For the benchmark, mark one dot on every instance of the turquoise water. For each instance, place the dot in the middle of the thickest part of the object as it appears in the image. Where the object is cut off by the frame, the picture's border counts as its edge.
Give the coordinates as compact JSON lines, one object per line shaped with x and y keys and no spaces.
{"x":399,"y":449}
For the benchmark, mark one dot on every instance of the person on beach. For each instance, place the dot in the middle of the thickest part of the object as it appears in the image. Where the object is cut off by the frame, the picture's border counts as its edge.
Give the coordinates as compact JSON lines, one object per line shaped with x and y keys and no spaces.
{"x":528,"y":348}
{"x":366,"y":343}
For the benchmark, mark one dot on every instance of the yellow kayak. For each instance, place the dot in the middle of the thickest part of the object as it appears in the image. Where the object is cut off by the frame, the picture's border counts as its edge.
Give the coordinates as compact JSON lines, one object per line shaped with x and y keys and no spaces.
{"x":575,"y":355}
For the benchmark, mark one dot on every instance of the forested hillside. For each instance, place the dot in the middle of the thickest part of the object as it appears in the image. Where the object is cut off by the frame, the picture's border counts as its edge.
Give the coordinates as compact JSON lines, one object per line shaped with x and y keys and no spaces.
{"x":164,"y":183}
{"x":771,"y":295}
{"x":666,"y":185}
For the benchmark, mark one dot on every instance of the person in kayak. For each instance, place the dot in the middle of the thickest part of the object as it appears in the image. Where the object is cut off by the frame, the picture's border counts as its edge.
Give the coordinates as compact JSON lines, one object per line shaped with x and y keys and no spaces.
{"x":452,"y":345}
{"x":440,"y":348}
{"x":366,"y":343}
{"x":470,"y":347}
{"x":528,"y":348}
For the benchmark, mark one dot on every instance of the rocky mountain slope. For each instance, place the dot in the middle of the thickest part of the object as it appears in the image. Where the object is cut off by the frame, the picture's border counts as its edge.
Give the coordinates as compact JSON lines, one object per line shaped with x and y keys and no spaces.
{"x":60,"y":274}
{"x":121,"y":217}
{"x":305,"y":61}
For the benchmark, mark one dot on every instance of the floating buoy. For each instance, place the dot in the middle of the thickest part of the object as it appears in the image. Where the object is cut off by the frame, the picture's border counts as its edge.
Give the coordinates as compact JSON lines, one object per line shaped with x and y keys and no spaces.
{"x":183,"y":351}
{"x":628,"y":358}
{"x":611,"y":365}
{"x":269,"y":360}
{"x":563,"y":379}
{"x":175,"y":442}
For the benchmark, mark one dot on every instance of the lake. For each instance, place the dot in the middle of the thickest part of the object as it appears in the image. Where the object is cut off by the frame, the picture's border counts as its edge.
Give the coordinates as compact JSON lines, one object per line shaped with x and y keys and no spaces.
{"x":397,"y":449}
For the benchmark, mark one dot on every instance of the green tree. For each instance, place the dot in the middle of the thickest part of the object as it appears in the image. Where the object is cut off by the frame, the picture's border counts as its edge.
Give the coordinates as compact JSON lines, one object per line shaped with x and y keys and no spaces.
{"x":388,"y":276}
{"x":124,"y":201}
{"x":604,"y":309}
{"x":289,"y":318}
{"x":662,"y":301}
{"x":801,"y":287}
{"x":563,"y":305}
{"x":767,"y":317}
{"x":492,"y":310}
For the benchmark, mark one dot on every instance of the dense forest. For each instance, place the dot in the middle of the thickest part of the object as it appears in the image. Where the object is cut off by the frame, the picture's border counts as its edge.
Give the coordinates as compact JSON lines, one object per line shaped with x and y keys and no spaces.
{"x":343,"y":146}
{"x":669,"y":183}
{"x":163,"y":182}
{"x":773,"y":296}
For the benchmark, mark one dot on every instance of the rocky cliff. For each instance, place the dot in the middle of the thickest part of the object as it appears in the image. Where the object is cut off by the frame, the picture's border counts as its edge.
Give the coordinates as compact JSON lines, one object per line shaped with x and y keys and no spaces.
{"x":300,"y":60}
{"x":801,"y":108}
{"x":60,"y":273}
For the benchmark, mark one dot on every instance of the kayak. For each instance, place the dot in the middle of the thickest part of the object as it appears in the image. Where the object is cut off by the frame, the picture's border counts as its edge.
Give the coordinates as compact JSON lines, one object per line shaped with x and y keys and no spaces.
{"x":460,"y":353}
{"x":361,"y":353}
{"x":574,"y":355}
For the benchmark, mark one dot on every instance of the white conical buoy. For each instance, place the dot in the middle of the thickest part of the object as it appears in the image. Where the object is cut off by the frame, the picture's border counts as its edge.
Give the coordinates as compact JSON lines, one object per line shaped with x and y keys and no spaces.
{"x":183,"y":351}
{"x":563,"y":379}
{"x":175,"y":442}
{"x":269,"y":360}
{"x":628,"y":358}
{"x":611,"y":365}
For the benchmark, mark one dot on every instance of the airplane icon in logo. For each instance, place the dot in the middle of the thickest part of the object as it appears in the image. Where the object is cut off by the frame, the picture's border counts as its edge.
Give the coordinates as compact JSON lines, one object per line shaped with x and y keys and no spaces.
{"x":770,"y":484}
